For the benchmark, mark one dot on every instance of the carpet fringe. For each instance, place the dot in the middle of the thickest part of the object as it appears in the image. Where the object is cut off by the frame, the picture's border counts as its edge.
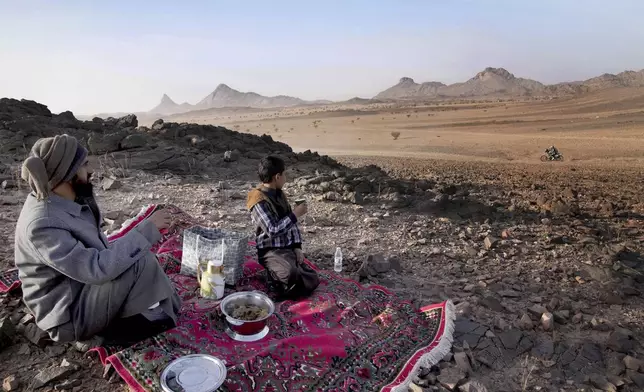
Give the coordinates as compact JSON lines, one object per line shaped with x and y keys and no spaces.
{"x":437,"y":353}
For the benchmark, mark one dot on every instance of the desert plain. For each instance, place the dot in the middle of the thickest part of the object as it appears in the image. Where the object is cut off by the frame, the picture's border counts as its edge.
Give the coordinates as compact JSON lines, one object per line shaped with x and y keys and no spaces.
{"x":603,"y":127}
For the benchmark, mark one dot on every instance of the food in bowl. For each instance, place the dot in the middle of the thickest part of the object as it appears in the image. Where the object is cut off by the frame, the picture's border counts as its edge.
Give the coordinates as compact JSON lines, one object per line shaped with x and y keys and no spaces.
{"x":249,"y":312}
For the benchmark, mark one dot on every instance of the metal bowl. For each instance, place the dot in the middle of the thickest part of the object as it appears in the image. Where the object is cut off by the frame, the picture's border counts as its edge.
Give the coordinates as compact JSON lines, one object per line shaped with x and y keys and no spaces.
{"x":244,"y":327}
{"x":195,"y":372}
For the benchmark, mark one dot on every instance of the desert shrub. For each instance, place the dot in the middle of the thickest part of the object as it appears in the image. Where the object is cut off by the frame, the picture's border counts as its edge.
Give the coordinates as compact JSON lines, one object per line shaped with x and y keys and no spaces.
{"x":395,"y":135}
{"x":110,"y":166}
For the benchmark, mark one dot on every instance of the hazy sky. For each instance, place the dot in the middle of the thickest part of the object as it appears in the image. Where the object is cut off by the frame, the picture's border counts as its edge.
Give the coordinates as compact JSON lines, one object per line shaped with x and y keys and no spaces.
{"x":123,"y":55}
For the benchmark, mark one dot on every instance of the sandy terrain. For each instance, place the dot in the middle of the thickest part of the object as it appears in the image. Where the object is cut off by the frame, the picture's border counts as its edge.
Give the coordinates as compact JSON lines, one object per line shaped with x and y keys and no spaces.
{"x":605,"y":127}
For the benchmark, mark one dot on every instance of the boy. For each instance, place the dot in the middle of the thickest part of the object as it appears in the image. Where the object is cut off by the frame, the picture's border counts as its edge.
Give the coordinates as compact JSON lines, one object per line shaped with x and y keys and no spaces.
{"x":279,"y":242}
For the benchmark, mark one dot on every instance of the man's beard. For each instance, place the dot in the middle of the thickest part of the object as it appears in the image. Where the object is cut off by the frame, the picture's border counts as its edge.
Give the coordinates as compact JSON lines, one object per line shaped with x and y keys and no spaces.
{"x":84,"y":191}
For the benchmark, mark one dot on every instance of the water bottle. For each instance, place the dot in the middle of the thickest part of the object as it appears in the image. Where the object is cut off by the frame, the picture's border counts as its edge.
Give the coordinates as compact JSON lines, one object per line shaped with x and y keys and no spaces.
{"x":337,"y":263}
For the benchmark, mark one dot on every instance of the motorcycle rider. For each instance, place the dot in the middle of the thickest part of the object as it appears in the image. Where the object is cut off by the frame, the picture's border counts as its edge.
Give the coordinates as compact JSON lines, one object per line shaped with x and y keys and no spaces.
{"x":552,"y":152}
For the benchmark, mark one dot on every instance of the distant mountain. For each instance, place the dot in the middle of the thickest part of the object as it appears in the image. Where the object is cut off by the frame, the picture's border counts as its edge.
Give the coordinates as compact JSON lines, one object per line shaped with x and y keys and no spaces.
{"x":224,"y":96}
{"x":168,"y":106}
{"x":407,"y":88}
{"x":493,"y":81}
{"x":489,"y":81}
{"x":359,"y":101}
{"x":498,"y":81}
{"x":602,"y":82}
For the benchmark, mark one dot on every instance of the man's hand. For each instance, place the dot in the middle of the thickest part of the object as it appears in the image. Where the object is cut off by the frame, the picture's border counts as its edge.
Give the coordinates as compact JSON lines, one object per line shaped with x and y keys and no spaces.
{"x":300,"y":210}
{"x":299,"y":255}
{"x":162,"y":219}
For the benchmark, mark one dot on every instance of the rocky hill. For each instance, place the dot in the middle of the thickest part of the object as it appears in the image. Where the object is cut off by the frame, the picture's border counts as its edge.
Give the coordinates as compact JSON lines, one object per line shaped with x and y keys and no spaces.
{"x":500,"y":82}
{"x":493,"y":81}
{"x":407,"y":88}
{"x":121,"y":146}
{"x":166,"y":146}
{"x":602,"y":82}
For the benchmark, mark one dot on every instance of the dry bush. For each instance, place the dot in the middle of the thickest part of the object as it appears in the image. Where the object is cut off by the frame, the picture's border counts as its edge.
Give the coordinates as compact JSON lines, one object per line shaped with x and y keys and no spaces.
{"x":112,"y":167}
{"x":15,"y":172}
{"x":528,"y":367}
{"x":395,"y":135}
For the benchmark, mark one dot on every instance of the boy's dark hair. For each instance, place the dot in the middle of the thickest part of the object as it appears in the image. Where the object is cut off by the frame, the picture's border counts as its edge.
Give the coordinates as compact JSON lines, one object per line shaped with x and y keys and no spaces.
{"x":269,"y":167}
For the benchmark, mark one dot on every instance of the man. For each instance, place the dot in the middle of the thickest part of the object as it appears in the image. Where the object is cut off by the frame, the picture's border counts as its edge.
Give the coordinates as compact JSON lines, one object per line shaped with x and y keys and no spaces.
{"x":279,"y":241}
{"x":76,"y":284}
{"x":552,"y":152}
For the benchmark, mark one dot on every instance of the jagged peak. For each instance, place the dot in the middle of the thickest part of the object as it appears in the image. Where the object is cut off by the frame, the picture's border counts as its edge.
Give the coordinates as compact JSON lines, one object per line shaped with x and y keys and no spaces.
{"x":502,"y":72}
{"x":406,"y":80}
{"x":433,"y":84}
{"x":167,"y":100}
{"x":223,"y":87}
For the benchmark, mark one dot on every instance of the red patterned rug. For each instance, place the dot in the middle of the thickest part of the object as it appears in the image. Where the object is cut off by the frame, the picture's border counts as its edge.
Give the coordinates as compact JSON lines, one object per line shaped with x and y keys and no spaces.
{"x":9,"y":280}
{"x":345,"y":337}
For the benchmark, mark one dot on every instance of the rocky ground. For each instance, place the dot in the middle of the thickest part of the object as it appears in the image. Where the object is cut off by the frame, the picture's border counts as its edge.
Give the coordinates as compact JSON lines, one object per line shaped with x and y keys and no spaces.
{"x":542,"y":261}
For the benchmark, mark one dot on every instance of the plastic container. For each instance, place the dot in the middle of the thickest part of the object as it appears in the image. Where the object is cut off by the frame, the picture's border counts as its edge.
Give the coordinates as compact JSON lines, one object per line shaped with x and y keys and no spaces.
{"x":337,"y":260}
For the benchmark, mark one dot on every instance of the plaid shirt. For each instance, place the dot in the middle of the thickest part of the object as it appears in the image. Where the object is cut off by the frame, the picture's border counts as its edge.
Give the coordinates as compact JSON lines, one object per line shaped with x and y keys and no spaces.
{"x":273,"y":232}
